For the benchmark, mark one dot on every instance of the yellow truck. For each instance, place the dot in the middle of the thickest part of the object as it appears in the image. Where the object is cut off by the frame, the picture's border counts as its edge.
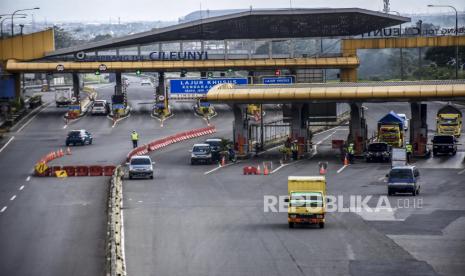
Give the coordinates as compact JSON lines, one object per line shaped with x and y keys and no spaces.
{"x":307,"y":200}
{"x":449,"y":121}
{"x":391,"y":130}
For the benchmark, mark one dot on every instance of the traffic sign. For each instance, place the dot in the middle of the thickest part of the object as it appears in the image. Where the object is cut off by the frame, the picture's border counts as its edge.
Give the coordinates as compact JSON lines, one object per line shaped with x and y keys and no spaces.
{"x":61,"y":174}
{"x":73,"y":99}
{"x":200,"y":86}
{"x":102,"y":67}
{"x":161,"y":98}
{"x":278,"y":80}
{"x":60,"y":68}
{"x":41,"y":167}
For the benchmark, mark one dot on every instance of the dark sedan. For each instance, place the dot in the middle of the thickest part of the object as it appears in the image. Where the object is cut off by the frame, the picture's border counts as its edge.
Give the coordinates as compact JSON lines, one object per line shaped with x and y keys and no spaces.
{"x":78,"y":137}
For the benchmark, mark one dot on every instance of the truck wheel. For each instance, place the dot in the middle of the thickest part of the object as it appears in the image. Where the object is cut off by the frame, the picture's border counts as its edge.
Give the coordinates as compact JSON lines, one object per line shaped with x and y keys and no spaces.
{"x":291,"y":225}
{"x":151,"y":176}
{"x":130,"y":176}
{"x":414,"y":193}
{"x":321,"y":224}
{"x":434,"y":153}
{"x":192,"y":162}
{"x":390,"y":193}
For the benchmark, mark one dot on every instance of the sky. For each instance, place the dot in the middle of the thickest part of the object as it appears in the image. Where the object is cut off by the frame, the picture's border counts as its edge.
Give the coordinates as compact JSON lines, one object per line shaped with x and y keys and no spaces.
{"x":154,"y":10}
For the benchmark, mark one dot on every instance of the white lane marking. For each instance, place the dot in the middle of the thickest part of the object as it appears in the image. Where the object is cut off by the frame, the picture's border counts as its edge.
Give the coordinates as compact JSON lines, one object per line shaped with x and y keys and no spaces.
{"x":9,"y":141}
{"x":3,"y":209}
{"x":28,"y":178}
{"x":21,"y":188}
{"x":461,"y":172}
{"x":342,"y":168}
{"x":30,"y":120}
{"x":350,"y":252}
{"x":13,"y":198}
{"x":65,"y":126}
{"x":219,"y":167}
{"x":381,"y":178}
{"x":287,"y":164}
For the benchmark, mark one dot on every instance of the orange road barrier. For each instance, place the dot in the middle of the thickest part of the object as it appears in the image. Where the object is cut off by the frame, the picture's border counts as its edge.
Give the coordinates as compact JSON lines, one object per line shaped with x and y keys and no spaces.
{"x":70,"y":170}
{"x":54,"y":169}
{"x":108,"y":170}
{"x":95,"y":170}
{"x":82,"y":171}
{"x":265,"y":170}
{"x":249,"y":170}
{"x":259,"y":170}
{"x":68,"y":151}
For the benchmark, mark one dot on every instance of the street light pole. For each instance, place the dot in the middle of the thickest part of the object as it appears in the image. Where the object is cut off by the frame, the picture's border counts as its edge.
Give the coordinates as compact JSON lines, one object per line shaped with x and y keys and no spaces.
{"x":13,"y":14}
{"x":21,"y":15}
{"x":456,"y":35}
{"x":400,"y":49}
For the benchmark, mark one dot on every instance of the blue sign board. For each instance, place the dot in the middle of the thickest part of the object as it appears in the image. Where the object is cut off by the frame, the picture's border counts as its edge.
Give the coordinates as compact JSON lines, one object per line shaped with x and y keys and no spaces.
{"x":74,"y":107}
{"x":278,"y":80}
{"x":200,"y":86}
{"x":7,"y":88}
{"x":118,"y":106}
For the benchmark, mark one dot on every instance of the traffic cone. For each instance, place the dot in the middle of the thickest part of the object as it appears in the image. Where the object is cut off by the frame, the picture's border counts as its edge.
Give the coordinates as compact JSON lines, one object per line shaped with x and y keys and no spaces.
{"x":258,"y":170}
{"x":265,"y":170}
{"x":322,"y":171}
{"x":346,"y":161}
{"x":68,"y":151}
{"x":61,"y":152}
{"x":223,"y":161}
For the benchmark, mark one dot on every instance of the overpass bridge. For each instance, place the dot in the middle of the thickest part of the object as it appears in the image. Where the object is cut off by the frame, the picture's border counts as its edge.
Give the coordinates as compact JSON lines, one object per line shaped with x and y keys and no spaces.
{"x":298,"y":101}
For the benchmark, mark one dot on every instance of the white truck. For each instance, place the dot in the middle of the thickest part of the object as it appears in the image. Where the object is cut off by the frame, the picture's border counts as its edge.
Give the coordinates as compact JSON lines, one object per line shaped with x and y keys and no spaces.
{"x":63,"y":96}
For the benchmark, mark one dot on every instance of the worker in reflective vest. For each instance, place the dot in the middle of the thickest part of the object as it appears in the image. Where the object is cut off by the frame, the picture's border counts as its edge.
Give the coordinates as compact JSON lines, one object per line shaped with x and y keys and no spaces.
{"x":409,"y":150}
{"x":134,"y":138}
{"x":350,"y":153}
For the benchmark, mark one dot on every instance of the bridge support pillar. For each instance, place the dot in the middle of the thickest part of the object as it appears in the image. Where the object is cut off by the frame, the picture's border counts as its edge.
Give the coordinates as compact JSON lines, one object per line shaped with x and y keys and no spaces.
{"x":241,"y":129}
{"x":299,"y":130}
{"x":418,"y":129}
{"x":357,"y":128}
{"x":76,"y":92}
{"x":17,"y":86}
{"x":119,"y":84}
{"x":160,"y":90}
{"x":348,"y":75}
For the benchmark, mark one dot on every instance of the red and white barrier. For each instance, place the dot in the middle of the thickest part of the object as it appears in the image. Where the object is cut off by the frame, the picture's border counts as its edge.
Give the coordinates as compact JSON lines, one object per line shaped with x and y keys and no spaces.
{"x":161,"y":143}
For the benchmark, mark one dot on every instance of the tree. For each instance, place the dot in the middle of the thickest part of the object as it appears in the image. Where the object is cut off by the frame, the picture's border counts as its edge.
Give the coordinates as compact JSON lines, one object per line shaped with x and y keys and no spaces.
{"x":101,"y":37}
{"x":63,"y":39}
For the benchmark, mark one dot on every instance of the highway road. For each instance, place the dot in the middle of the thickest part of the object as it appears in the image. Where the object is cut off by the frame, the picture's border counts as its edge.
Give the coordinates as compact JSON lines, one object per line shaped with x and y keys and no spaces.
{"x":195,"y":220}
{"x":201,"y":220}
{"x":52,"y":226}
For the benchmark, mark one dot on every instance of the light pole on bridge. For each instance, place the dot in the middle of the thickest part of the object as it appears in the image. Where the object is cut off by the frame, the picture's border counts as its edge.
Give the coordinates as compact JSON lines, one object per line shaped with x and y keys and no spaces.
{"x":12,"y":16}
{"x":456,"y":35}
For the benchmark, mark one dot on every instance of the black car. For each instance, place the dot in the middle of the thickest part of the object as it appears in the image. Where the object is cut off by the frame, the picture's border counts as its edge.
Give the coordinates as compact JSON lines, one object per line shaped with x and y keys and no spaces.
{"x":215,"y":146}
{"x":78,"y":137}
{"x":444,"y":144}
{"x":378,"y":152}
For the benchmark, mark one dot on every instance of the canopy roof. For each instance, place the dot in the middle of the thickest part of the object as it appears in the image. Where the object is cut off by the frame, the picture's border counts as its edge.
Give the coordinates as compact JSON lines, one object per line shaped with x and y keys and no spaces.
{"x":258,"y":24}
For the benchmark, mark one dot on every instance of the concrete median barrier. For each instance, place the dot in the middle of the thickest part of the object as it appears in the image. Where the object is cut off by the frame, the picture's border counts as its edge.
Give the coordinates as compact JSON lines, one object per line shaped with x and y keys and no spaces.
{"x":70,"y":170}
{"x":115,"y":263}
{"x":161,"y":143}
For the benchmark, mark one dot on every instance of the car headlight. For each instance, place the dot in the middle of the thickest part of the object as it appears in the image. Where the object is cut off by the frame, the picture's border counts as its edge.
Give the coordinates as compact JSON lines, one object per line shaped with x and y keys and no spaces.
{"x":292,"y":216}
{"x":320,"y":216}
{"x":450,"y":147}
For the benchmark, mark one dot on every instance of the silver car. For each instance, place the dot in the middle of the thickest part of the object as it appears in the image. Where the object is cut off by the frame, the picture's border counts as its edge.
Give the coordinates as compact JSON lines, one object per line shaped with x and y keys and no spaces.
{"x":140,"y":167}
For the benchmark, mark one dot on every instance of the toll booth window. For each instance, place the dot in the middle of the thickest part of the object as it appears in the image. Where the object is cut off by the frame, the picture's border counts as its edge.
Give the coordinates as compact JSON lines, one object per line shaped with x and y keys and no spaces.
{"x":306,"y":200}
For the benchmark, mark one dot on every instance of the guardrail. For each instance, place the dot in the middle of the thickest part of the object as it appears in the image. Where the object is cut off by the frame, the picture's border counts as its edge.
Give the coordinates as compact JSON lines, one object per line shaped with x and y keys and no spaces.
{"x":161,"y":143}
{"x":115,"y":263}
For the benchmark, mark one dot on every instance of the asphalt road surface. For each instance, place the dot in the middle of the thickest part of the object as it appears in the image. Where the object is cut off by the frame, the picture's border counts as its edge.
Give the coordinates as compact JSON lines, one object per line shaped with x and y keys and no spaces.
{"x":205,"y":220}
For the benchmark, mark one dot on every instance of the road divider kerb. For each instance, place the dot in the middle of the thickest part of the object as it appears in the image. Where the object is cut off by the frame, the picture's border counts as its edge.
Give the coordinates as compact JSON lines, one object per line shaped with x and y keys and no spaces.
{"x":115,"y":259}
{"x":161,"y":143}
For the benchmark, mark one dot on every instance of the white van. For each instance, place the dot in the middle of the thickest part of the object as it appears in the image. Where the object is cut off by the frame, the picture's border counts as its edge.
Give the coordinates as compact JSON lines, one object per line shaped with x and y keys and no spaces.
{"x":99,"y":107}
{"x":404,"y":117}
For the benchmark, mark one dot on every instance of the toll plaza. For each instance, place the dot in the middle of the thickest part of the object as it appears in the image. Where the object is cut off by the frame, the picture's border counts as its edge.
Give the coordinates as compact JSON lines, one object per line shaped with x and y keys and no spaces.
{"x":294,"y":51}
{"x":301,"y":97}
